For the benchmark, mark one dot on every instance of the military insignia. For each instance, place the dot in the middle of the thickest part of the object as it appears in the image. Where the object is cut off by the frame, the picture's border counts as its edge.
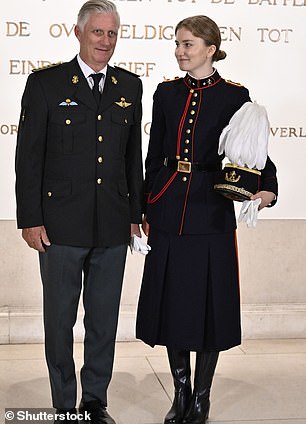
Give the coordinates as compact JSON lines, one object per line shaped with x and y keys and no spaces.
{"x":232,"y":177}
{"x":68,"y":102}
{"x":237,"y":84}
{"x":51,"y":65}
{"x":171,"y":79}
{"x":123,"y":103}
{"x":114,"y":80}
{"x":23,"y":115}
{"x":75,"y":79}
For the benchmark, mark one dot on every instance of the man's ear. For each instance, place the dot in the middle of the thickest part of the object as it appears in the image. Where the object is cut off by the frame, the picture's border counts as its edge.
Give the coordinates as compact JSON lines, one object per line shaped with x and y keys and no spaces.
{"x":77,"y":32}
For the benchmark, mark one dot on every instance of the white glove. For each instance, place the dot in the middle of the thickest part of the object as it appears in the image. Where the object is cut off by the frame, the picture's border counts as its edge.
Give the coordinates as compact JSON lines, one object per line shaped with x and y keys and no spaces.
{"x":249,"y":212}
{"x":138,"y":245}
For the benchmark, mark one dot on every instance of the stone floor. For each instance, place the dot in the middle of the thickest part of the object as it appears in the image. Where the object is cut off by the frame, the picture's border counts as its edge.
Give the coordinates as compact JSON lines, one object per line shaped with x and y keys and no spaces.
{"x":260,"y":382}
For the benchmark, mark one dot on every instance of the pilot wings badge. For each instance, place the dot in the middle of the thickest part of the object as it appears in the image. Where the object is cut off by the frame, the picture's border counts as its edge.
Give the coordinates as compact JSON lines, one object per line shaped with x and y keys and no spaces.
{"x":123,"y":103}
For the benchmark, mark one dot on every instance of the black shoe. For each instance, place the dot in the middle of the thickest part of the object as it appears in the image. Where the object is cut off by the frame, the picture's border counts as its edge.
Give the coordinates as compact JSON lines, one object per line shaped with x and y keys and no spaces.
{"x":69,"y":415}
{"x":96,"y":412}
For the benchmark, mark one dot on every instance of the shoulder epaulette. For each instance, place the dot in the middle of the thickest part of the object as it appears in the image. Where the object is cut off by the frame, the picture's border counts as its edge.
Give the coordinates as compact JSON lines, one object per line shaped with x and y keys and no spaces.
{"x":128,"y":72}
{"x":51,"y":65}
{"x":237,"y":84}
{"x":169,"y":79}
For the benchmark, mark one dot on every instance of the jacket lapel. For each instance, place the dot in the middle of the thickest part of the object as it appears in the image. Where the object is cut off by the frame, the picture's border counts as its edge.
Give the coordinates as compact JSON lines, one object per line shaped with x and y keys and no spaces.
{"x":80,"y":90}
{"x":78,"y":85}
{"x":111,"y":90}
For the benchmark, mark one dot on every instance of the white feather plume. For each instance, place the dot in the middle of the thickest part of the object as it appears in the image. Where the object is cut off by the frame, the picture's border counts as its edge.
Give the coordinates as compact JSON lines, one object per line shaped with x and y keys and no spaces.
{"x":245,"y":139}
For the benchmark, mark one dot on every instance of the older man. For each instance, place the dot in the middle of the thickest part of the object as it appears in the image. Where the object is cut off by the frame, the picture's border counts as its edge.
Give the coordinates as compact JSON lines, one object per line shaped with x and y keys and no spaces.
{"x":79,"y":190}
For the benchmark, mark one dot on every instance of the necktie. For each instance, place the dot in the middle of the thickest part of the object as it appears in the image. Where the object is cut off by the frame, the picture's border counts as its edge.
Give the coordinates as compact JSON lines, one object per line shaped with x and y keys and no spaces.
{"x":95,"y":91}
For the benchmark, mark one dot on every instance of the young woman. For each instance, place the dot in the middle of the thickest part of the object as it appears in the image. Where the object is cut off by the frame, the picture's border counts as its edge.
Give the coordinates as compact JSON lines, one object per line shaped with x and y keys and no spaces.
{"x":189,"y":299}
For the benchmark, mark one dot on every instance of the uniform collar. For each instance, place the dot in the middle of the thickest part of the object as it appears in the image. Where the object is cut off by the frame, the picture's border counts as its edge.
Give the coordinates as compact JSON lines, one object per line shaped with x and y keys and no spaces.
{"x":206,"y":82}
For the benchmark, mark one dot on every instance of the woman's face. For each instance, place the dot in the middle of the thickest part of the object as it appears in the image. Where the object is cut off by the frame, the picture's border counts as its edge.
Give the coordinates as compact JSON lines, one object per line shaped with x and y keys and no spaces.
{"x":192,"y":54}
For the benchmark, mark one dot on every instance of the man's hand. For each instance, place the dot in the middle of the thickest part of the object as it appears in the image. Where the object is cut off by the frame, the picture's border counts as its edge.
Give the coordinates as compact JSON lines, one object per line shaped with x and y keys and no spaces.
{"x":266,"y":198}
{"x":135,"y":230}
{"x":36,"y":237}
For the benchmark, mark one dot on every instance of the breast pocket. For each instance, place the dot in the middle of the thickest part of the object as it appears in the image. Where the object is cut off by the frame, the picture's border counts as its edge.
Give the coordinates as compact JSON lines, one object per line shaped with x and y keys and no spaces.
{"x":121,"y":127}
{"x":65,"y":128}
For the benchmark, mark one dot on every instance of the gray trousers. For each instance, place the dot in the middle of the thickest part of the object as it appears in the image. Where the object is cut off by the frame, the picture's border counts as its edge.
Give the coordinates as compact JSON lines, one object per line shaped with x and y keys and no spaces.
{"x":64,"y":271}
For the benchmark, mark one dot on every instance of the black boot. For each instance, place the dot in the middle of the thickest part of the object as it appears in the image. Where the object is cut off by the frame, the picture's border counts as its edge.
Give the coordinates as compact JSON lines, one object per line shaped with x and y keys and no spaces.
{"x":198,"y":409}
{"x":180,"y":369}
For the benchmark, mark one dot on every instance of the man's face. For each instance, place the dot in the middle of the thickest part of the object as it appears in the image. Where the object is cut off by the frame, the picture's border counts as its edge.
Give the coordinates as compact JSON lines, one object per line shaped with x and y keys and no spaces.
{"x":98,"y":39}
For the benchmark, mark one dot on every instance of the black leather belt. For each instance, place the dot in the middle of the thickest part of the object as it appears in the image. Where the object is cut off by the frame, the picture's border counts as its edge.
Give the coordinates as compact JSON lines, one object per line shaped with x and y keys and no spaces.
{"x":188,"y":167}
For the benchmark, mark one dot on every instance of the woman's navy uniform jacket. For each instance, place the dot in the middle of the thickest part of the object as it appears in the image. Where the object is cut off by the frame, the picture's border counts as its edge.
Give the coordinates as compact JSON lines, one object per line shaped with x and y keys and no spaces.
{"x":79,"y":167}
{"x":188,"y":118}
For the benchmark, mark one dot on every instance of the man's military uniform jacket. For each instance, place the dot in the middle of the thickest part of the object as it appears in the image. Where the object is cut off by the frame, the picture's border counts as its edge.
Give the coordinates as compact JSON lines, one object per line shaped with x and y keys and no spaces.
{"x":79,"y":166}
{"x":188,"y":118}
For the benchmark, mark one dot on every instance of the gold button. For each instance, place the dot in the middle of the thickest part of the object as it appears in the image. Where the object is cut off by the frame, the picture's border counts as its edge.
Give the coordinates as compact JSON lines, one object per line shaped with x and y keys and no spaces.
{"x":190,"y":121}
{"x":188,"y":131}
{"x":194,"y":103}
{"x":99,"y":180}
{"x":187,"y":141}
{"x":126,"y":121}
{"x":100,"y":159}
{"x":100,"y":138}
{"x":186,"y":150}
{"x":192,"y":90}
{"x":192,"y":112}
{"x":195,"y":95}
{"x":186,"y":159}
{"x":49,"y":193}
{"x":184,"y":178}
{"x":99,"y":117}
{"x":68,"y":122}
{"x":178,"y":157}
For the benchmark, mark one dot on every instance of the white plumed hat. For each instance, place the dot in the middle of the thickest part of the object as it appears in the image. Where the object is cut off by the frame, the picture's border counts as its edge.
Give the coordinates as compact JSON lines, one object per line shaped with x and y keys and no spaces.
{"x":244,"y":141}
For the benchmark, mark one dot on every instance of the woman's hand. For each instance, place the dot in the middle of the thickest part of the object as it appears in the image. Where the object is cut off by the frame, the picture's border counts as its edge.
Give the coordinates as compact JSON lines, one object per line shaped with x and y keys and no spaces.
{"x":266,"y":198}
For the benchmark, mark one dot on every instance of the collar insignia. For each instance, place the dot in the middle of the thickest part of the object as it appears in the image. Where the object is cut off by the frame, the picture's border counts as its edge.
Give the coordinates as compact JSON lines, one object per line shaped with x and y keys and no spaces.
{"x":114,"y":80}
{"x":75,"y":79}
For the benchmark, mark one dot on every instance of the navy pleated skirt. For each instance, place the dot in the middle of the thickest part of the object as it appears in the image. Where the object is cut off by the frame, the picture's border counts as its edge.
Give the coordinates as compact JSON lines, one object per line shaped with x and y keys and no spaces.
{"x":189,"y":297}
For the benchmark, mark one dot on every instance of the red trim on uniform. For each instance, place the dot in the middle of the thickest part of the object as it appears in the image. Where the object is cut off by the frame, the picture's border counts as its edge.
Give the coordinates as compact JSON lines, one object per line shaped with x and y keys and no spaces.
{"x":157,"y":196}
{"x":180,"y":129}
{"x":185,"y":205}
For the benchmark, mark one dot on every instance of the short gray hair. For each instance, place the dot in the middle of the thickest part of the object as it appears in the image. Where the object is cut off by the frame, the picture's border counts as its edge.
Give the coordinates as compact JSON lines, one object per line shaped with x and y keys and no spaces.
{"x":96,"y":6}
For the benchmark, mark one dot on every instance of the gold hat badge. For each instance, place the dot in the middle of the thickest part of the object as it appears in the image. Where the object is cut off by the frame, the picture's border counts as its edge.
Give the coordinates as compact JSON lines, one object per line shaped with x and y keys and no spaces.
{"x":123,"y":103}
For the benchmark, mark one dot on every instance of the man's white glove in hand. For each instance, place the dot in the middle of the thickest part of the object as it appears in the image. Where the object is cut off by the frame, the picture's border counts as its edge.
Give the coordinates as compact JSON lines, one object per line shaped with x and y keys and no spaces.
{"x":249,"y":212}
{"x":138,"y":245}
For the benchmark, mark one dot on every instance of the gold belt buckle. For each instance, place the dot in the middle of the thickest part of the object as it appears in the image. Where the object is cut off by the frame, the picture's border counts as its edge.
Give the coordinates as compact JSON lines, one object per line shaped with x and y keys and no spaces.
{"x":184,"y":166}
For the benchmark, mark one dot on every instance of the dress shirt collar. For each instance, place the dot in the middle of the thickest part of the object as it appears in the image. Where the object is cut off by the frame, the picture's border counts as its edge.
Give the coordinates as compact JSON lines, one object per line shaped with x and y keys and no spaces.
{"x":87,"y":71}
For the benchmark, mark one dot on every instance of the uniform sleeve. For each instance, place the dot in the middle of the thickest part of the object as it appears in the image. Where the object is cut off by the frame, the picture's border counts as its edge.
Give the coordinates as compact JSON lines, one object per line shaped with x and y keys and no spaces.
{"x":30,"y":152}
{"x":155,"y":155}
{"x":134,"y":170}
{"x":268,"y":181}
